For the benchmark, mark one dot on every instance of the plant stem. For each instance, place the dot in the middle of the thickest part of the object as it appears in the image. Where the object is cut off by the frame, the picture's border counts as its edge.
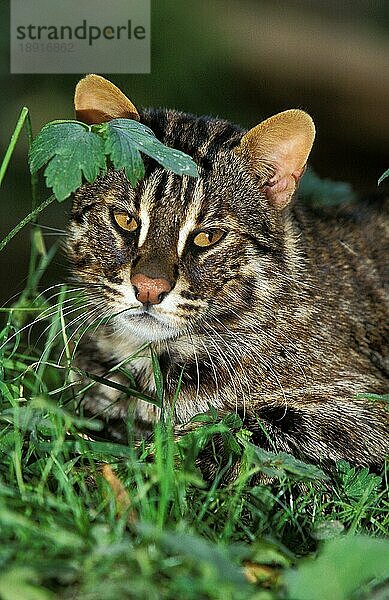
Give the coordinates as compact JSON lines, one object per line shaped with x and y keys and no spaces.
{"x":34,"y":176}
{"x":14,"y":138}
{"x":27,"y":219}
{"x":36,"y":237}
{"x":35,"y":231}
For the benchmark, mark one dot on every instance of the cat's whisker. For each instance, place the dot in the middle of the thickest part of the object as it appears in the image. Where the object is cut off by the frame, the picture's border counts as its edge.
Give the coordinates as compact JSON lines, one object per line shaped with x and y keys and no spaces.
{"x":81,"y":316}
{"x":60,"y":332}
{"x":226,"y":361}
{"x":107,"y":317}
{"x":54,"y":234}
{"x":69,"y":310}
{"x":241,"y":343}
{"x":200,"y":339}
{"x":270,"y":336}
{"x":85,"y":313}
{"x":197,"y":367}
{"x":47,"y":313}
{"x":40,"y":226}
{"x":65,"y":289}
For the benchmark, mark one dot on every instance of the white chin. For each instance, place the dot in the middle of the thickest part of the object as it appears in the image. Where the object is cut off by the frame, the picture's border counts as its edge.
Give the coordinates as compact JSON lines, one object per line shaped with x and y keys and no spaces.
{"x":147,"y":328}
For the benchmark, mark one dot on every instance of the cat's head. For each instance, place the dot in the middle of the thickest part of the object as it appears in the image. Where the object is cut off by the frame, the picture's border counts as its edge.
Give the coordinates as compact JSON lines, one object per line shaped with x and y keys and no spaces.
{"x":178,"y":253}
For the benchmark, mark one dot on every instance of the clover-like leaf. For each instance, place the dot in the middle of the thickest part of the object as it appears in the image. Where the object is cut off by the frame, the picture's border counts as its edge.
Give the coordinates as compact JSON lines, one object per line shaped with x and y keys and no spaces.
{"x":123,"y":153}
{"x":71,"y":150}
{"x":140,"y":137}
{"x":74,"y":150}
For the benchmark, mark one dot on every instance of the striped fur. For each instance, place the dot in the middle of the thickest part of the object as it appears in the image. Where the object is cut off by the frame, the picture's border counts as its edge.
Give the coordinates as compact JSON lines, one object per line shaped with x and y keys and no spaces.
{"x":282,"y":321}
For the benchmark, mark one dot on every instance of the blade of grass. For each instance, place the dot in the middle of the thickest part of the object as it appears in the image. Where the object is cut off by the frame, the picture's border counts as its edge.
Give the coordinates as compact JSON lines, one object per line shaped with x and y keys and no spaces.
{"x":27,"y":219}
{"x":14,"y":138}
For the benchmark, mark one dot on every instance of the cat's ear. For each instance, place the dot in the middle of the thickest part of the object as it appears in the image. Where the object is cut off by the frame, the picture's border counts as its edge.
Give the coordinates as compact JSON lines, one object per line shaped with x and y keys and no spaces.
{"x":97,"y":100}
{"x":277,"y":150}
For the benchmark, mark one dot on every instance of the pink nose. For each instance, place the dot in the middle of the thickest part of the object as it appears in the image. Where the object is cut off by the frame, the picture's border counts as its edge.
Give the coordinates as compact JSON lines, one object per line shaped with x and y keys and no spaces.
{"x":149,"y":290}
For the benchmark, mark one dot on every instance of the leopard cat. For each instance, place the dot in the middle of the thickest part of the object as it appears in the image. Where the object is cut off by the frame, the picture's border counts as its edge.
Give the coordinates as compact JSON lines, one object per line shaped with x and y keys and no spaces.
{"x":259,"y":304}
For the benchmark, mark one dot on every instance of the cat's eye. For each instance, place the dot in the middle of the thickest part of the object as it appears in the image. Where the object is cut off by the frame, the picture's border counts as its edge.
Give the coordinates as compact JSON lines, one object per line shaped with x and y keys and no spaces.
{"x":125,"y":220}
{"x":203,"y":239}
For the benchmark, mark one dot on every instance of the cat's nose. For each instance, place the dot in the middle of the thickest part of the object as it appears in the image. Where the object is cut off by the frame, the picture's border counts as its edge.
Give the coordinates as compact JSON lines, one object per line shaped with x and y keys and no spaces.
{"x":149,"y":290}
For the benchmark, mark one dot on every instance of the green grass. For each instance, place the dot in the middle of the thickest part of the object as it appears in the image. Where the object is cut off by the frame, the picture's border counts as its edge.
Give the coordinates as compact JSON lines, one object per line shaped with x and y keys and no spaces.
{"x":84,"y":518}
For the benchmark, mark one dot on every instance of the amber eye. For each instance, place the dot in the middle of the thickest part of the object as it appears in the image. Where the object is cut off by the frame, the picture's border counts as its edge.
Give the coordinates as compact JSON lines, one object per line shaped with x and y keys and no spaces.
{"x":125,"y":220}
{"x":208,"y":238}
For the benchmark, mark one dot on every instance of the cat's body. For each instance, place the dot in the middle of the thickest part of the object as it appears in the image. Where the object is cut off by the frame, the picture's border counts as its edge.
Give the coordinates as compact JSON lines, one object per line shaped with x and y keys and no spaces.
{"x":281,"y":319}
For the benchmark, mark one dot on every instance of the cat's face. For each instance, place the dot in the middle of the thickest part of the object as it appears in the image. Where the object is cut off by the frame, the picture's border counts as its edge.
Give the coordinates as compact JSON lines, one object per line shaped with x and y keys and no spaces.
{"x":178,"y":254}
{"x":210,"y":238}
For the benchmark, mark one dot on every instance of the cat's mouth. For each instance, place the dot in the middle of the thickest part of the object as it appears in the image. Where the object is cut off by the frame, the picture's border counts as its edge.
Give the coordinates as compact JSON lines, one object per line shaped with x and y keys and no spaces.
{"x":150,"y":325}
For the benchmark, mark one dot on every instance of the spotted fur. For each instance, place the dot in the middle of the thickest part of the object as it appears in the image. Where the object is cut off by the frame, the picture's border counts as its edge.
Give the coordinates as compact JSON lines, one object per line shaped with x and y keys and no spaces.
{"x":284,"y":320}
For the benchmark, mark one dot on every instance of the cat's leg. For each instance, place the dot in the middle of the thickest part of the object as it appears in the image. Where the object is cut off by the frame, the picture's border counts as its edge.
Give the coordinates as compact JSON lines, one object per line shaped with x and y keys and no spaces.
{"x":96,"y":399}
{"x":94,"y":396}
{"x":115,"y":401}
{"x":322,"y":432}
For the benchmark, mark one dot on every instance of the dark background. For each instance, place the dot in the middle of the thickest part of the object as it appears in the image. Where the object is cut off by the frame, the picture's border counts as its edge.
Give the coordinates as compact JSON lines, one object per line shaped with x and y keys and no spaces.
{"x":242,"y":60}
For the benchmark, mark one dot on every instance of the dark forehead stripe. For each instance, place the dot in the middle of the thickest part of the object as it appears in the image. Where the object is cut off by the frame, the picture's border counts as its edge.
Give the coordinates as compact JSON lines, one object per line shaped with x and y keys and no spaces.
{"x":224,"y":136}
{"x":160,"y":187}
{"x":169,"y":195}
{"x":200,"y":137}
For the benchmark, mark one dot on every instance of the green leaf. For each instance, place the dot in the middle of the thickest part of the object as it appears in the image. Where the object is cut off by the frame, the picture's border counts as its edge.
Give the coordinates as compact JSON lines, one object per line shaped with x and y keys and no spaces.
{"x":281,"y":463}
{"x":202,"y":418}
{"x":22,"y":582}
{"x":199,"y":437}
{"x":343,"y":565}
{"x":357,"y":483}
{"x":123,"y":153}
{"x":233,"y":421}
{"x":74,"y":150}
{"x":383,"y":176}
{"x":319,"y":192}
{"x":139,"y":137}
{"x":210,"y":416}
{"x":230,"y":444}
{"x":199,"y":550}
{"x":71,"y":150}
